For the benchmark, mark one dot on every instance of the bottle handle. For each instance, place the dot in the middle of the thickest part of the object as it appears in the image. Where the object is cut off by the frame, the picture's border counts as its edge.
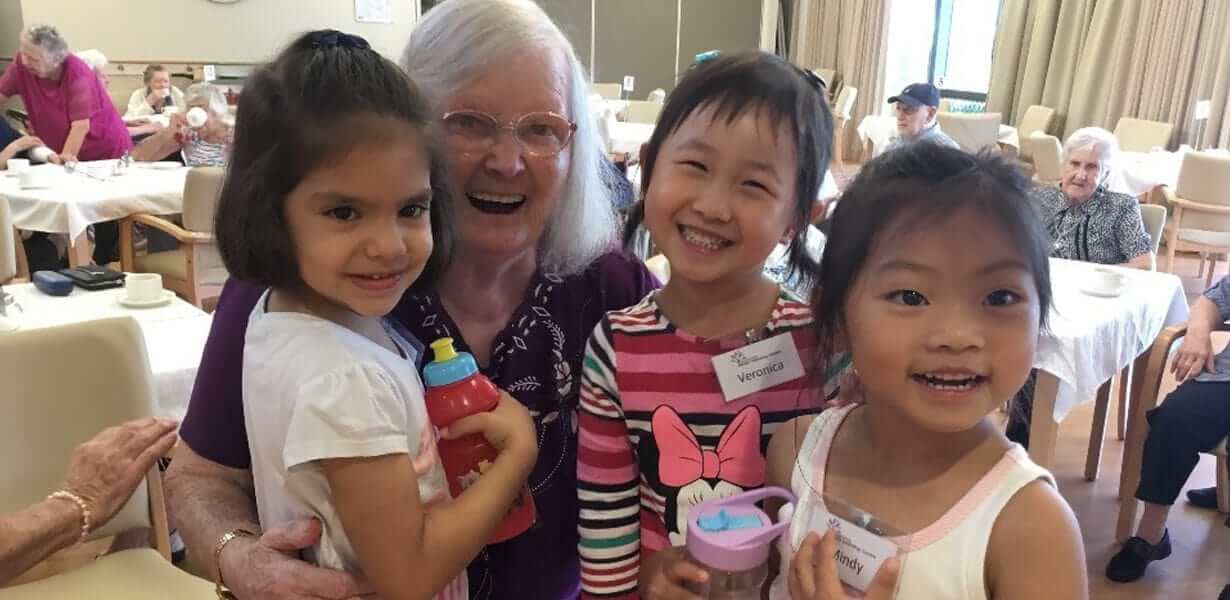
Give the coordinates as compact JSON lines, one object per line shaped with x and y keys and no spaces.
{"x":751,"y":497}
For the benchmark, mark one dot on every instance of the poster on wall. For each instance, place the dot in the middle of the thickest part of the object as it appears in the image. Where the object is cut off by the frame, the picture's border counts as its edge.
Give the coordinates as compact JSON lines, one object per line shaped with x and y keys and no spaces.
{"x":373,"y":11}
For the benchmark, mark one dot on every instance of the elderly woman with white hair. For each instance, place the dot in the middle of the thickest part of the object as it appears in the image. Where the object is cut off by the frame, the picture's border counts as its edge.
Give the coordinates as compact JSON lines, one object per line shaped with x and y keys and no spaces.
{"x":533,"y":271}
{"x":1088,"y":222}
{"x":202,"y":143}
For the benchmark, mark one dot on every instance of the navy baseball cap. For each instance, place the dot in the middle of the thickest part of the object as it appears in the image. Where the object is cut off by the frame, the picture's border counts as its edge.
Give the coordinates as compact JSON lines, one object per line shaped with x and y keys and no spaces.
{"x":918,"y":94}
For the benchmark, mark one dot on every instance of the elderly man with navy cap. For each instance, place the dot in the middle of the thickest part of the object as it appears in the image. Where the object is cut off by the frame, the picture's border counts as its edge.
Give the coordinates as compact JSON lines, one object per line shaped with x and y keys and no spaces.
{"x":916,"y":108}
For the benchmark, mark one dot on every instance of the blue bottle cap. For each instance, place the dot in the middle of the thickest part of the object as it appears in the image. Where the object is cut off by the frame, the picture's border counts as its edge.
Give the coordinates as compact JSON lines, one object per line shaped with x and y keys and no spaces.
{"x":449,"y":366}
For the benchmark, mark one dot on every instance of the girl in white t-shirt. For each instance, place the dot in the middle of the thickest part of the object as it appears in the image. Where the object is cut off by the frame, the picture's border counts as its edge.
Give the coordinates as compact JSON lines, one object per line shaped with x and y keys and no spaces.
{"x":332,"y":200}
{"x":936,"y":279}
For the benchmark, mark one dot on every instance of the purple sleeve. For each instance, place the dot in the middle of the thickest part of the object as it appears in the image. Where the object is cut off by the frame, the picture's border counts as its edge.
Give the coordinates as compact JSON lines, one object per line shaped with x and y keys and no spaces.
{"x":624,"y":280}
{"x":214,"y":425}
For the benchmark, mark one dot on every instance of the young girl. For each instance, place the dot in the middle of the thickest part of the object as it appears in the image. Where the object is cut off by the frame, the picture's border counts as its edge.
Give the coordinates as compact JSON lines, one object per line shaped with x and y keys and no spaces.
{"x":332,"y":200}
{"x":935,"y":278}
{"x":681,"y":392}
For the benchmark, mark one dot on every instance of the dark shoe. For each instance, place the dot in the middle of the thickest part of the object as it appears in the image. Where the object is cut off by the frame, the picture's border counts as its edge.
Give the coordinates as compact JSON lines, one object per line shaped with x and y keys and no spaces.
{"x":1203,"y":498}
{"x":1129,"y":564}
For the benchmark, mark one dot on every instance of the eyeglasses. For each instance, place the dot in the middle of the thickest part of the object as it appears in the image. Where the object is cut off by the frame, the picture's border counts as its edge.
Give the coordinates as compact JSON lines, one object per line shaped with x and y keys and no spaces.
{"x":540,"y":134}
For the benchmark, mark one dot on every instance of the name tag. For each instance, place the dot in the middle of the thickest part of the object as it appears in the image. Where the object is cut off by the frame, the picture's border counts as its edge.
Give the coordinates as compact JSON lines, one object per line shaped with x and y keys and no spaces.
{"x":758,"y":366}
{"x":859,"y":552}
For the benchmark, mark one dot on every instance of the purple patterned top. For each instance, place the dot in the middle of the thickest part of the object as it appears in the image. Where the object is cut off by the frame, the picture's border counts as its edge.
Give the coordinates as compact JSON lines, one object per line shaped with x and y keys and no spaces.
{"x":536,"y":358}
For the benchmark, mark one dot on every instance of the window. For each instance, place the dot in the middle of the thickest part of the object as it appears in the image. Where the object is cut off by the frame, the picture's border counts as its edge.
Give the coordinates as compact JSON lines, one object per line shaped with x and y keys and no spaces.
{"x":945,"y":42}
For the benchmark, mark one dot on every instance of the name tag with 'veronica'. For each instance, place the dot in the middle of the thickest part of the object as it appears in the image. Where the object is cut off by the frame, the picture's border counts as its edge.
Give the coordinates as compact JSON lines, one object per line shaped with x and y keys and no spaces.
{"x":759,"y":366}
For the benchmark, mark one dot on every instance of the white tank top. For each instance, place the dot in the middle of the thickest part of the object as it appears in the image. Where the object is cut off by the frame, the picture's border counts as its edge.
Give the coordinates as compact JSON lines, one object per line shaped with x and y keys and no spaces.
{"x":943,"y":560}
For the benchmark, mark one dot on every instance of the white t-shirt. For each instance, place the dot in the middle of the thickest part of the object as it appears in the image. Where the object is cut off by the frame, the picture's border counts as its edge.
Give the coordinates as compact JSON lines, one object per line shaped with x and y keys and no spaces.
{"x":313,"y":390}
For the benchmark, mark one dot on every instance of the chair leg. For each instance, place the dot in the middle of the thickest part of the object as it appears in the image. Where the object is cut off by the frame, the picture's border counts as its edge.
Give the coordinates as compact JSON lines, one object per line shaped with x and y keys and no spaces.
{"x":1125,"y":382}
{"x":1208,"y":282}
{"x":1172,"y":239}
{"x":1203,"y":258}
{"x":1223,"y":484}
{"x":1093,"y":462}
{"x":127,"y":249}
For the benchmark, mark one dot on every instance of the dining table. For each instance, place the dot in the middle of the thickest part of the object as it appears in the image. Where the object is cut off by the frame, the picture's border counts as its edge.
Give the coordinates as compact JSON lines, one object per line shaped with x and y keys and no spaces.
{"x":68,"y":202}
{"x":175,"y":332}
{"x":877,"y":131}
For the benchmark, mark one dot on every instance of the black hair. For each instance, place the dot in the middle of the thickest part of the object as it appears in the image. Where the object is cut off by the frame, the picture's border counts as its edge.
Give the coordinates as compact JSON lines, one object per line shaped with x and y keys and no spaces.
{"x":734,"y":84}
{"x":914,"y":187}
{"x":322,"y":97}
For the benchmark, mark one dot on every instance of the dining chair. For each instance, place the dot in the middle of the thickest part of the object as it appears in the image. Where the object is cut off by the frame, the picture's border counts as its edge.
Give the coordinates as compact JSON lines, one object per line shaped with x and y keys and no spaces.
{"x":194,"y":270}
{"x":1046,"y":154}
{"x":642,"y":111}
{"x":944,"y":106}
{"x":609,"y":91}
{"x":972,"y":131}
{"x":47,"y":413}
{"x":13,"y":264}
{"x":658,"y":95}
{"x":1133,"y":450}
{"x":1140,"y":135}
{"x":841,"y":118}
{"x":1201,"y":203}
{"x":1036,"y":118}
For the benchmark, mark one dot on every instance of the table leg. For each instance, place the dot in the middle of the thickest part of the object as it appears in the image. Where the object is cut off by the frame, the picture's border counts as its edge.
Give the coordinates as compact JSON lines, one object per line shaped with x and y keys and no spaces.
{"x":1093,"y":460}
{"x":1043,"y":430}
{"x":1143,"y":400}
{"x":80,"y":251}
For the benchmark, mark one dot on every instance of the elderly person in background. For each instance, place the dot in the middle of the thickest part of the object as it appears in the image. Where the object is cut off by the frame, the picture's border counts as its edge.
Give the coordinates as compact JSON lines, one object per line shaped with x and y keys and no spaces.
{"x":102,"y":474}
{"x":96,"y":61}
{"x":1088,"y":222}
{"x":532,"y":273}
{"x":157,"y":94}
{"x":208,"y":145}
{"x":917,"y":106}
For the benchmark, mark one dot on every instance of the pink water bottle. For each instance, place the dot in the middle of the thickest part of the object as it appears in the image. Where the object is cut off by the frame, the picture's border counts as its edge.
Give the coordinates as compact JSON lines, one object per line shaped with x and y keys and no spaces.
{"x":730,"y":538}
{"x":455,"y":389}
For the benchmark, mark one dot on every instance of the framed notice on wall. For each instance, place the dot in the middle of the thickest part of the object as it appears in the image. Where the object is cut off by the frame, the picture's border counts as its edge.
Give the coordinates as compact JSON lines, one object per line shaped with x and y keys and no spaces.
{"x":373,"y":11}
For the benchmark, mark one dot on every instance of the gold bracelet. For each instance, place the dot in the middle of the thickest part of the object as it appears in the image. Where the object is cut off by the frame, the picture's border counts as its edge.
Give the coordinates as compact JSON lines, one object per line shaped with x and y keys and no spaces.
{"x":85,"y":510}
{"x":228,"y":537}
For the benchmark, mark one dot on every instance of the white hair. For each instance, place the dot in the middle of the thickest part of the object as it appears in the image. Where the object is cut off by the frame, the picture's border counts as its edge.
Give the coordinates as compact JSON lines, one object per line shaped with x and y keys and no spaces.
{"x":459,"y":41}
{"x":94,"y":58}
{"x":1101,"y":142}
{"x":211,"y":94}
{"x":49,"y":40}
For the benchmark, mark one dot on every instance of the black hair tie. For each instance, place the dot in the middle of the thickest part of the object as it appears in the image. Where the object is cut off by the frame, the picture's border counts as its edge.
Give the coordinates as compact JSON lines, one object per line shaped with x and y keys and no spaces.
{"x":332,"y":38}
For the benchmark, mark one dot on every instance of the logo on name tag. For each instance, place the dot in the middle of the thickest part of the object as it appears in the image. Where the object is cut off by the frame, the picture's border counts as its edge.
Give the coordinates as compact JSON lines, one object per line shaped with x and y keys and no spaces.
{"x":758,"y":366}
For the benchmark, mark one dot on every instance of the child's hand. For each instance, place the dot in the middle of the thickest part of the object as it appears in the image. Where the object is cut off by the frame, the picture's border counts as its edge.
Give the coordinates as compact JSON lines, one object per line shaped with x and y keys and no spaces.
{"x":813,"y":572}
{"x":664,"y":574}
{"x":508,"y":428}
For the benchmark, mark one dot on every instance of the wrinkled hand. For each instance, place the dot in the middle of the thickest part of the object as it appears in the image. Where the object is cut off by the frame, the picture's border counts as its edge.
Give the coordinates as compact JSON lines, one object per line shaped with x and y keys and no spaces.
{"x":813,"y":572}
{"x":1194,"y":356}
{"x":850,"y":392}
{"x":55,"y":159}
{"x":266,"y":568}
{"x":105,"y":470}
{"x":26,"y":142}
{"x":664,"y":575}
{"x":508,"y":428}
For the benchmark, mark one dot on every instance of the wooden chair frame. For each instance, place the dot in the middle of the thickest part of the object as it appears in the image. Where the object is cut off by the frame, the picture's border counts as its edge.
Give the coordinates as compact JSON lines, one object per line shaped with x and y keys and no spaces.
{"x":191,"y":289}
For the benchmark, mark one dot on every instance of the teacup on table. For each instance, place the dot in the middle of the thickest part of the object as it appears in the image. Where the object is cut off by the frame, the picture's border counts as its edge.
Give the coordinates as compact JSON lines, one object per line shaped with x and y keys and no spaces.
{"x":1106,"y":280}
{"x":143,"y":288}
{"x":17,"y":165}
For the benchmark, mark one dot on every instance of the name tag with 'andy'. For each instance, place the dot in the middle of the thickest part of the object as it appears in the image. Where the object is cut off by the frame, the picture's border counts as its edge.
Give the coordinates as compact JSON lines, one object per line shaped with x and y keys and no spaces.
{"x":758,"y":366}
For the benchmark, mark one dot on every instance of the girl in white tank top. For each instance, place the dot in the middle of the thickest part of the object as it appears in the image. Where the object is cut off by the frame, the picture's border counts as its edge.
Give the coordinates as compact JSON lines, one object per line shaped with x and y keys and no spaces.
{"x":936,"y":280}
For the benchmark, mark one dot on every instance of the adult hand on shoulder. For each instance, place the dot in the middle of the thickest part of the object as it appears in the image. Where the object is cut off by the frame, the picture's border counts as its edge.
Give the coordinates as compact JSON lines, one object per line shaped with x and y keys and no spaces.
{"x":813,"y":572}
{"x":664,"y":575}
{"x":105,"y":470}
{"x":265,"y":568}
{"x":1195,"y":355}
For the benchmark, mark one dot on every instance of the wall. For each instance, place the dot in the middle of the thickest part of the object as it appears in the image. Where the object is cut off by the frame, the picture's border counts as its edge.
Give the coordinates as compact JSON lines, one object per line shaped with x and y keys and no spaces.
{"x":197,"y":30}
{"x":726,"y":25}
{"x":574,"y":18}
{"x":635,"y":37}
{"x":10,"y":26}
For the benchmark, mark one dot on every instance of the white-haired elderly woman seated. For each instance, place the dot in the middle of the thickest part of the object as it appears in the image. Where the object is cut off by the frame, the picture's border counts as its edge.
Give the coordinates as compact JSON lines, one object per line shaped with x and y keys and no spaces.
{"x":1086,"y":221}
{"x":202,"y":134}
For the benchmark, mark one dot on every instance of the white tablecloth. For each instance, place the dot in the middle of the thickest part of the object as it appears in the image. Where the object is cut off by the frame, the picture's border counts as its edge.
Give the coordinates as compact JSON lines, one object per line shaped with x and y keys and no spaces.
{"x":1093,"y":338}
{"x":73,"y":202}
{"x":175,"y":333}
{"x":628,"y":137}
{"x":880,"y":129}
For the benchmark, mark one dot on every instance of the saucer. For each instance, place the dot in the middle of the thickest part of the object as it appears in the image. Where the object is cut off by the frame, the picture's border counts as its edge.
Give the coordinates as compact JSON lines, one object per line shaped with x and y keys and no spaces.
{"x":1101,"y":293}
{"x":167,"y":295}
{"x":167,"y":165}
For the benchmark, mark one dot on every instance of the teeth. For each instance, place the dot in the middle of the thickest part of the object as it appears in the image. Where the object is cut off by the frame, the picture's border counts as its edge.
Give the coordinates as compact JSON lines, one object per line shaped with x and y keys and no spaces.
{"x":950,"y":383}
{"x":709,"y":242}
{"x":501,"y":199}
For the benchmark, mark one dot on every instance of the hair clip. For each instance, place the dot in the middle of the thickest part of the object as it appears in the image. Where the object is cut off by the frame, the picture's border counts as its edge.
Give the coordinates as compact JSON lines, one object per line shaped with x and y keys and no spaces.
{"x":706,"y":56}
{"x":332,"y":38}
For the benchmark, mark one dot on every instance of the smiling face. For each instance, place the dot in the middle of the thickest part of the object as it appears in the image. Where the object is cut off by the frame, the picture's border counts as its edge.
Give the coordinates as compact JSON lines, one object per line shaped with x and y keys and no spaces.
{"x":722,"y":195}
{"x":504,"y":196}
{"x":943,"y":327}
{"x":1082,"y":172}
{"x":361,"y":225}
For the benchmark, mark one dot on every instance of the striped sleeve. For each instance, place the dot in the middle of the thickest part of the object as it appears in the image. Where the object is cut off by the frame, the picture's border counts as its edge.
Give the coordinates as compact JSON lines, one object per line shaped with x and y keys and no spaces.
{"x":607,"y":478}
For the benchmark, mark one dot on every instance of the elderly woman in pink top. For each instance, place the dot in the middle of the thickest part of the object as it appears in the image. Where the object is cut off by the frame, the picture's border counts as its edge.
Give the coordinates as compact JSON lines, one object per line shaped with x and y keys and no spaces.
{"x":68,"y":107}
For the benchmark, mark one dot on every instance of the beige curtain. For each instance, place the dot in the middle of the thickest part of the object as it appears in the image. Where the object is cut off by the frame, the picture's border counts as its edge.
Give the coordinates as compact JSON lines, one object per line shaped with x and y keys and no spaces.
{"x":850,"y":37}
{"x":1095,"y":61}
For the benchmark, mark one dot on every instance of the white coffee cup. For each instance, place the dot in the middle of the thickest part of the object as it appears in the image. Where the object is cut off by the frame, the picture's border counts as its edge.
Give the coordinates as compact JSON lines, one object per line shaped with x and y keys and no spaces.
{"x":1106,"y":280}
{"x":143,"y":287}
{"x":17,"y":165}
{"x":197,"y":117}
